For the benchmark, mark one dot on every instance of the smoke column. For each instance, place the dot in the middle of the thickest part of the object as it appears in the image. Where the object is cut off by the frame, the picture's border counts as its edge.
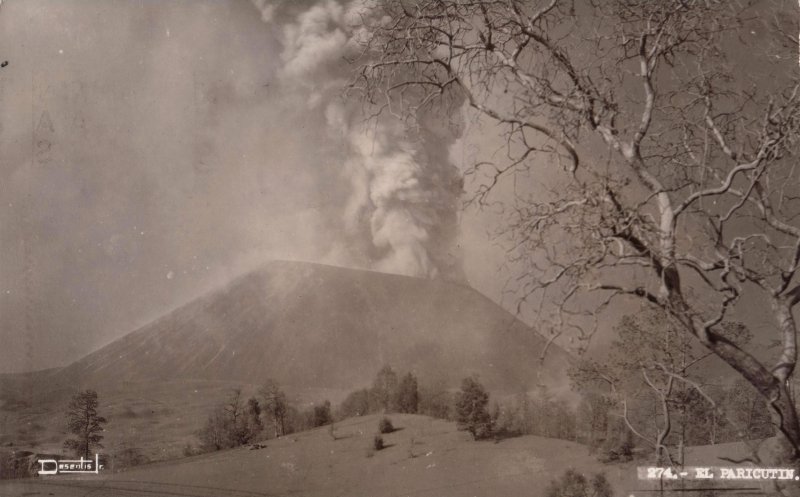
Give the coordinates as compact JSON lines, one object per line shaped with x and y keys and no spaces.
{"x":402,"y":212}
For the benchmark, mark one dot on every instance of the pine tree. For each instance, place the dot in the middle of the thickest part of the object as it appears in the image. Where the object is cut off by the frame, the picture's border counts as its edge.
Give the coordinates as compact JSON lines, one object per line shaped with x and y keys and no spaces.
{"x":384,"y":389}
{"x":471,"y":413}
{"x":408,"y":395}
{"x":85,"y":423}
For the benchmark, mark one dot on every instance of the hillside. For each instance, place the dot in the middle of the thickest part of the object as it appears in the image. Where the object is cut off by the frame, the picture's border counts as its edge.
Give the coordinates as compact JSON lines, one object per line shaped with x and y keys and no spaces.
{"x":320,"y":331}
{"x":309,"y":325}
{"x":424,"y":457}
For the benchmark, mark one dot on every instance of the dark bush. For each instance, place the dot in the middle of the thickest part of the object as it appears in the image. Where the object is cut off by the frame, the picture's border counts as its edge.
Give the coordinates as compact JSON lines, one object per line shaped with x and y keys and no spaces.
{"x":471,"y":413}
{"x":571,"y":484}
{"x":600,"y":486}
{"x":626,"y":450}
{"x":322,"y":415}
{"x":574,"y":484}
{"x":616,"y":450}
{"x":385,"y":425}
{"x":356,"y":404}
{"x":129,"y":457}
{"x":407,"y":400}
{"x":377,"y":442}
{"x":17,"y":464}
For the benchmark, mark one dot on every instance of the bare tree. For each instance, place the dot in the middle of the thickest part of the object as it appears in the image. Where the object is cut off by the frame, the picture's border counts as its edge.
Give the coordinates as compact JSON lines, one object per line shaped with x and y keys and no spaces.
{"x":215,"y":434}
{"x":235,"y":413}
{"x":275,"y":405}
{"x":667,"y":171}
{"x":652,"y":362}
{"x":231,"y":424}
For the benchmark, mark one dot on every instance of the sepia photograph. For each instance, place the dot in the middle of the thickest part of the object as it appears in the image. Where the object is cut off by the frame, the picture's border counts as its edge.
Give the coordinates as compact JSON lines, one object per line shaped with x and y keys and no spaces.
{"x":387,"y":248}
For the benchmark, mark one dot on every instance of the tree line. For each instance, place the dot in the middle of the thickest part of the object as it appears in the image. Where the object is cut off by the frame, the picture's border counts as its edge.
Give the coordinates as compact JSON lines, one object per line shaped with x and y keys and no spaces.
{"x":470,"y":407}
{"x":269,"y":414}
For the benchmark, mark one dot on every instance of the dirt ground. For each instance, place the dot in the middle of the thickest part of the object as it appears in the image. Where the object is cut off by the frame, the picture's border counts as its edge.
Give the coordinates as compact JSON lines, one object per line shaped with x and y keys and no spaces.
{"x":424,"y":457}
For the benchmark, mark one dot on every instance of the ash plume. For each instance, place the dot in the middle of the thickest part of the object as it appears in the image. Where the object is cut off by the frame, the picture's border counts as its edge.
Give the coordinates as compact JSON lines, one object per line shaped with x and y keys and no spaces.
{"x":401,"y":214}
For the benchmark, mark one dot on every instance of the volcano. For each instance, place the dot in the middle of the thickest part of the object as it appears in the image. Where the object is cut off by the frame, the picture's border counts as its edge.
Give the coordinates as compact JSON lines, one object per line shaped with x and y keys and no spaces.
{"x":319,"y":331}
{"x":312,"y":325}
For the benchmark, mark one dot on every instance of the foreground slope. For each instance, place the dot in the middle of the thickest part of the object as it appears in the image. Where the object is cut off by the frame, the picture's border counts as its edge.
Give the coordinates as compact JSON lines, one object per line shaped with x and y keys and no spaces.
{"x":424,"y":457}
{"x":320,"y":331}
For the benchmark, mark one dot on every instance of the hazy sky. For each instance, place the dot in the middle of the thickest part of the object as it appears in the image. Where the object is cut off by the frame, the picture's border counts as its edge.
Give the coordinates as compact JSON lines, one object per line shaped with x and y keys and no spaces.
{"x":152,"y":150}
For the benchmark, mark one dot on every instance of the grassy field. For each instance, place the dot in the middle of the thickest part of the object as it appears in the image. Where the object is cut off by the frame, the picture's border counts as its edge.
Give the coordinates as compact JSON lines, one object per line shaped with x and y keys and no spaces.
{"x":159,"y":419}
{"x":423,"y":457}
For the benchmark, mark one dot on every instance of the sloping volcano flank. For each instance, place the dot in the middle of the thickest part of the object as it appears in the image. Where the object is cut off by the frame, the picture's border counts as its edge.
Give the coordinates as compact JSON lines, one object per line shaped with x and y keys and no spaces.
{"x":314,"y":326}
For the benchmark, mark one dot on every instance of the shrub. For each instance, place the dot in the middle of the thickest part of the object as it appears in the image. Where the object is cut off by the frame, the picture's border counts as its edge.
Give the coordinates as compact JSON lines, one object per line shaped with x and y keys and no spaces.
{"x":626,"y":450}
{"x":614,"y":449}
{"x":574,"y":484}
{"x":385,"y":425}
{"x":608,"y":455}
{"x":600,"y":486}
{"x":377,"y":442}
{"x":189,"y":450}
{"x":17,"y":464}
{"x":322,"y":415}
{"x":129,"y":457}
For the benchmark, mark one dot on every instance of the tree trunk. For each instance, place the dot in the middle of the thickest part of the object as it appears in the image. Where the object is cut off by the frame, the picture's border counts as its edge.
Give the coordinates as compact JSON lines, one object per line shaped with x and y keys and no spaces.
{"x":781,"y":451}
{"x":713,"y":427}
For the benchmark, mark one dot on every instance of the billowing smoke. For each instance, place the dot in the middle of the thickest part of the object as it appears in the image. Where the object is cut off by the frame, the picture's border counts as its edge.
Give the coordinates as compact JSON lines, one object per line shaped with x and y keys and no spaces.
{"x":402,"y":210}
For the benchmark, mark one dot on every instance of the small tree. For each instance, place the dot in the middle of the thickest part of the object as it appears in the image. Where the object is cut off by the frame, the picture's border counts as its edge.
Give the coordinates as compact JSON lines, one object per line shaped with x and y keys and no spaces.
{"x":231,"y":424}
{"x":85,"y":423}
{"x":471,"y":413}
{"x":436,"y":401}
{"x":357,"y":403}
{"x":593,"y":417}
{"x":236,"y":420}
{"x":384,"y":389}
{"x":322,"y":414}
{"x":214,"y":435}
{"x":275,"y":405}
{"x":253,"y":418}
{"x":408,"y":394}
